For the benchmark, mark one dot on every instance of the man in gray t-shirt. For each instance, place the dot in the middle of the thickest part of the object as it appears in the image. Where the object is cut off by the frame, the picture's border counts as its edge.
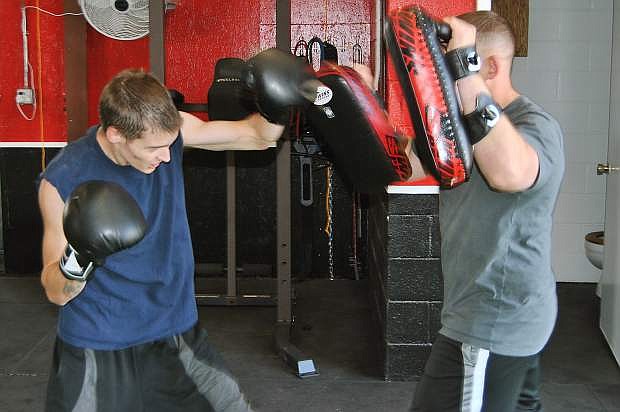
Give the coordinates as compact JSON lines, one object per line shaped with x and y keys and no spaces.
{"x":500,"y":302}
{"x":496,"y":249}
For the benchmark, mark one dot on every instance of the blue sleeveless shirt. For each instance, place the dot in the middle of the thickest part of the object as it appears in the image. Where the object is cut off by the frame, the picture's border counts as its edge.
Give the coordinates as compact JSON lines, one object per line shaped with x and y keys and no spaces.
{"x":143,"y":293}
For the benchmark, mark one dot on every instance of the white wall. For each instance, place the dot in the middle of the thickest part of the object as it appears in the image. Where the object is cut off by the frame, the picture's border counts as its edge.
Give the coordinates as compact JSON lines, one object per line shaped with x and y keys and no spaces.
{"x":567,"y":71}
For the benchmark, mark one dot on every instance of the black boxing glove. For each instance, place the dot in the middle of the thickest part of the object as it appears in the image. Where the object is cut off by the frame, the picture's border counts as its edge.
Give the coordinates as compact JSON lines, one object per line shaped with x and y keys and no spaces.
{"x":280,"y":81}
{"x":99,"y":219}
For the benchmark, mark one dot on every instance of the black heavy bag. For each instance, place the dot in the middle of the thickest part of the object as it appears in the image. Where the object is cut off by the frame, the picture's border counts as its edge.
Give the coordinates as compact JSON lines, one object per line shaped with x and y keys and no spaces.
{"x":228,"y":97}
{"x":355,"y":133}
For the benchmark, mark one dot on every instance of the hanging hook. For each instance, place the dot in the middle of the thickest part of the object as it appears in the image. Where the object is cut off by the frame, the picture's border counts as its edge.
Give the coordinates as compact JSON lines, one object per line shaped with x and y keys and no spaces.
{"x":301,"y":48}
{"x":358,"y":55}
{"x":312,"y":50}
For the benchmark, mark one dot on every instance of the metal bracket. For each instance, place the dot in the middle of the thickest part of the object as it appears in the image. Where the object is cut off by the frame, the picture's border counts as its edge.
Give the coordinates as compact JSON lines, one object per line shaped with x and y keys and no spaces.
{"x":605,"y":169}
{"x":306,"y":151}
{"x":303,"y":366}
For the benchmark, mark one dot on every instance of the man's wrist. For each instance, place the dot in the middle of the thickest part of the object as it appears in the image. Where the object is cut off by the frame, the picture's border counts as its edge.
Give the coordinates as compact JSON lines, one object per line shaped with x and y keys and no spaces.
{"x":483,"y":118}
{"x":71,"y":268}
{"x":468,"y":88}
{"x":463,"y":61}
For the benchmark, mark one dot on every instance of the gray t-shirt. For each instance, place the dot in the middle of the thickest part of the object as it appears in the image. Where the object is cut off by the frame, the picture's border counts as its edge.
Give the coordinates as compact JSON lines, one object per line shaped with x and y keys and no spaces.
{"x":499,"y":288}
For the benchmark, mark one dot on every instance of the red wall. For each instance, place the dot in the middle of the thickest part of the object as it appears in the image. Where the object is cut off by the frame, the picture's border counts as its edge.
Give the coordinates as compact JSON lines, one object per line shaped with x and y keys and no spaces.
{"x":46,"y":57}
{"x":106,"y":57}
{"x":197,"y":33}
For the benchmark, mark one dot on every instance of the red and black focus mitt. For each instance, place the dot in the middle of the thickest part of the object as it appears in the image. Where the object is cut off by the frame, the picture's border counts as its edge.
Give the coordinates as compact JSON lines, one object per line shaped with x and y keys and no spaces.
{"x":441,"y":141}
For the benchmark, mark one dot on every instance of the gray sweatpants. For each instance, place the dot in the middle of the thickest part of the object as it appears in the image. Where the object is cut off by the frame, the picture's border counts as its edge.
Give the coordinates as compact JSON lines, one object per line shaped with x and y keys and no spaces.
{"x":180,"y":373}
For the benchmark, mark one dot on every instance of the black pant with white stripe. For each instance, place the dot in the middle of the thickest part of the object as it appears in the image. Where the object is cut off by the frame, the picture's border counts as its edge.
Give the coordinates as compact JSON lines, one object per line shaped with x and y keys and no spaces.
{"x":460,"y":377}
{"x":180,"y":373}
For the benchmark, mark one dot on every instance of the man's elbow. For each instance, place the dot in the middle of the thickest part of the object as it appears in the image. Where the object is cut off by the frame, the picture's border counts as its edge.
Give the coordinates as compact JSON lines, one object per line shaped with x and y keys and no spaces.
{"x":53,"y":296}
{"x":513,"y":181}
{"x":516,"y":174}
{"x":506,"y":186}
{"x":56,"y":298}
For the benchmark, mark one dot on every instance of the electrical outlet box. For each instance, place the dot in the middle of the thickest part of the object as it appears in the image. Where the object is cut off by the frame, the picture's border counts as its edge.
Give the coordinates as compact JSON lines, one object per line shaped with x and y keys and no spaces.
{"x":24,"y":96}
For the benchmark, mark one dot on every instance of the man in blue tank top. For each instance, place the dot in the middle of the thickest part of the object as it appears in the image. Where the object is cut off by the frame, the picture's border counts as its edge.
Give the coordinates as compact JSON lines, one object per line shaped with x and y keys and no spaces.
{"x":128,"y":335}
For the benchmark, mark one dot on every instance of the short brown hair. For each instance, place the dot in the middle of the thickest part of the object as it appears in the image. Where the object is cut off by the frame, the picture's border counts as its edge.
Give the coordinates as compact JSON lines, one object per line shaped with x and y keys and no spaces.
{"x":133,"y":101}
{"x":492,"y":30}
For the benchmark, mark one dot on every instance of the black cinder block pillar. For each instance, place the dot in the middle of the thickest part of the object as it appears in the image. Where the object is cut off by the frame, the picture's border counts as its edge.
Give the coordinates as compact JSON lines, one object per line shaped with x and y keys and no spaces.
{"x":405,"y":282}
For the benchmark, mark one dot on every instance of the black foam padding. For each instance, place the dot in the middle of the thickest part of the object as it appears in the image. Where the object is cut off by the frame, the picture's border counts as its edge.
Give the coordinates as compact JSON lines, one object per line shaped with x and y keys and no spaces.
{"x":228,"y":97}
{"x":177,"y":98}
{"x":330,"y":52}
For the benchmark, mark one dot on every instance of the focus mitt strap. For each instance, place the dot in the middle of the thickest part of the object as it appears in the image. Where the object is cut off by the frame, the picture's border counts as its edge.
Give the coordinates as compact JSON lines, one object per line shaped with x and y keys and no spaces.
{"x":484,"y":117}
{"x":463,"y":62}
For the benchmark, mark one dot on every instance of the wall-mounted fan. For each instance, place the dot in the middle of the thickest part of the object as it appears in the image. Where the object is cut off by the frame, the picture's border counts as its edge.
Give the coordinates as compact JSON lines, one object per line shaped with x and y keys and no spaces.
{"x":118,"y":19}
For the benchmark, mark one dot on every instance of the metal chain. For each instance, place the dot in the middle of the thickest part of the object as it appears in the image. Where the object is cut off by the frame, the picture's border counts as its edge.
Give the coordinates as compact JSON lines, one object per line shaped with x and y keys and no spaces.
{"x":330,"y":231}
{"x":329,"y":217}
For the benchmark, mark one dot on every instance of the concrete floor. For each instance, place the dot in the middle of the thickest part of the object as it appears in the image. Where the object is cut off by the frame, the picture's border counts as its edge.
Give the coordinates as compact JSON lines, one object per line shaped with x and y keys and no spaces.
{"x":332,"y":325}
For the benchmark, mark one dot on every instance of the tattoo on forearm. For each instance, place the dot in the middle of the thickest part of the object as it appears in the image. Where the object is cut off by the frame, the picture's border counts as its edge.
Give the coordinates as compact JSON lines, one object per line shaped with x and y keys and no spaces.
{"x":71,"y":288}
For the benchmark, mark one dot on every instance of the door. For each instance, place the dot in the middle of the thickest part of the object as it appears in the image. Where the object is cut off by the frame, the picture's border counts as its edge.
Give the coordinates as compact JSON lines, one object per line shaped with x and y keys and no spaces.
{"x":610,"y":280}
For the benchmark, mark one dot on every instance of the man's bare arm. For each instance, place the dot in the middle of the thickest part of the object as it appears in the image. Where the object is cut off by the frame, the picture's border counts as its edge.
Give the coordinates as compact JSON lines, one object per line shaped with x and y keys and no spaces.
{"x":59,"y":290}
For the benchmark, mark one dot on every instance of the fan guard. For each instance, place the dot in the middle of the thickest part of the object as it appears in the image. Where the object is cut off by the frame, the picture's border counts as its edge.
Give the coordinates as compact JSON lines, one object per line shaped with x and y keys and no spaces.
{"x":118,"y":19}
